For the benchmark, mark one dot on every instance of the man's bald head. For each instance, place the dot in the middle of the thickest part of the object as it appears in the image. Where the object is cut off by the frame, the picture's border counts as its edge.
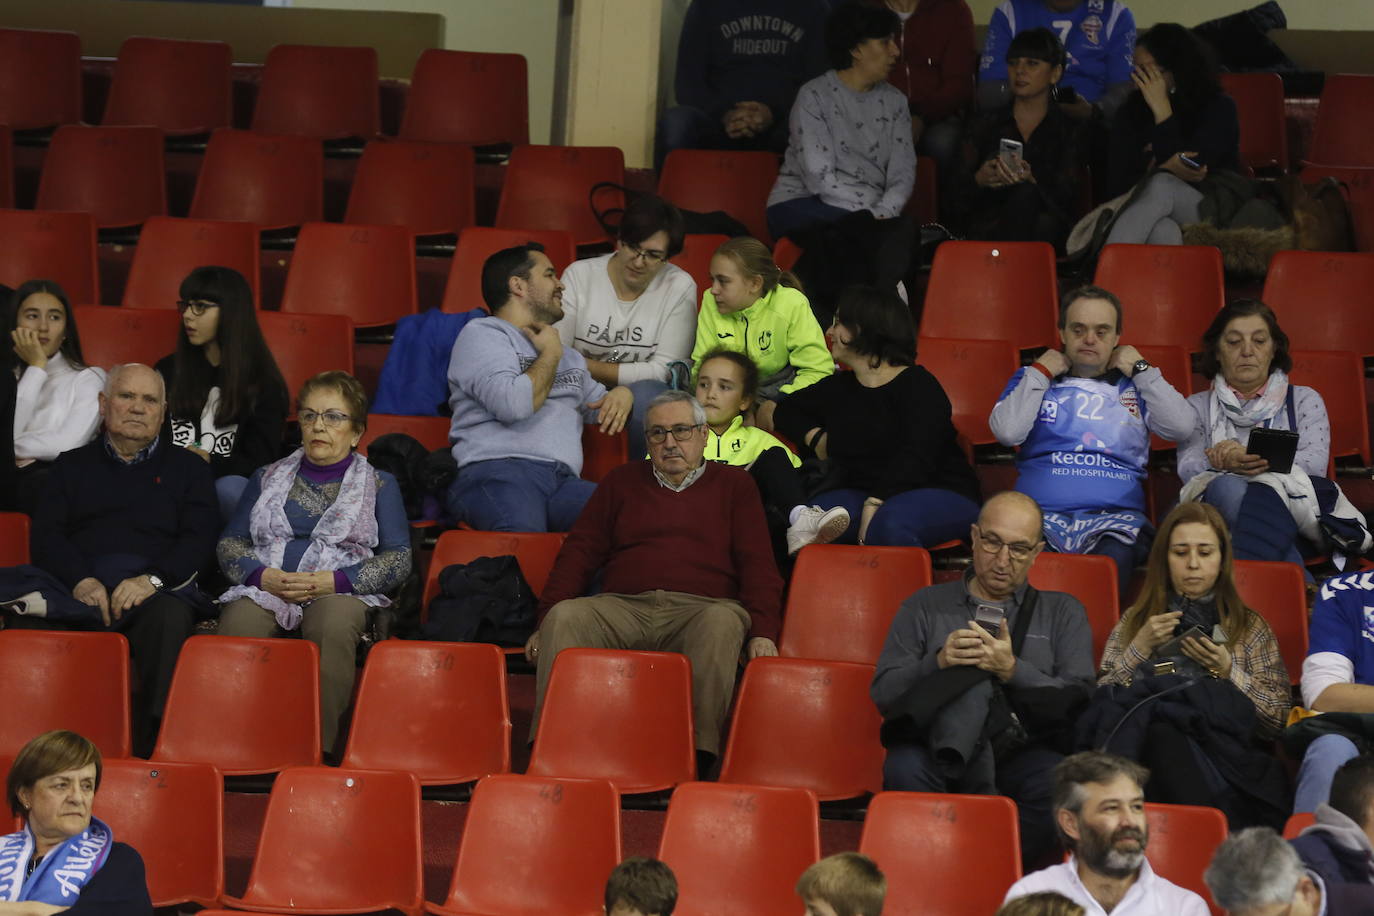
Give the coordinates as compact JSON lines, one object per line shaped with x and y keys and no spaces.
{"x":1015,"y":502}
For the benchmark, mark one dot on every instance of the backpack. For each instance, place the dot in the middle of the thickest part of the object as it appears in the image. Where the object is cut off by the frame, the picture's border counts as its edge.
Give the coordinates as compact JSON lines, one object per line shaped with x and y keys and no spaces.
{"x":487,"y":600}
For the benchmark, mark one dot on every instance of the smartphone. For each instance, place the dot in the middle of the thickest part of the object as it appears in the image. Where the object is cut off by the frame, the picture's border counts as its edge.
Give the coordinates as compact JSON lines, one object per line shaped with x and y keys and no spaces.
{"x":1066,"y":94}
{"x":1009,"y":151}
{"x":990,"y":618}
{"x":1189,"y":161}
{"x":1175,"y":645}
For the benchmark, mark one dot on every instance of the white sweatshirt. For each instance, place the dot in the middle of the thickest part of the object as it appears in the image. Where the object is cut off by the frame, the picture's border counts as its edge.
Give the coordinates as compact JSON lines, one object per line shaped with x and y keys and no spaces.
{"x":55,"y":410}
{"x":643,"y":335}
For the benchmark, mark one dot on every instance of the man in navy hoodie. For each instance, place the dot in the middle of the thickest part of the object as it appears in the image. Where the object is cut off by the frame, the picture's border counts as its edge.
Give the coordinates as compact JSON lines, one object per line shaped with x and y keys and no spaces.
{"x":739,"y":65}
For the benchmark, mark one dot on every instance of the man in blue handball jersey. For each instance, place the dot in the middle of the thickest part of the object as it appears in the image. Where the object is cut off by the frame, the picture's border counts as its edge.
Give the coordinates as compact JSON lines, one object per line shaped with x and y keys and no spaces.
{"x":1098,"y":37}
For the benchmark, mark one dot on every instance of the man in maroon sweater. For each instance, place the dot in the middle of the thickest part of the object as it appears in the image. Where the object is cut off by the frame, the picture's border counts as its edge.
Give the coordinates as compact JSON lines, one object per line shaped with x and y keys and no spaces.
{"x":688,"y":566}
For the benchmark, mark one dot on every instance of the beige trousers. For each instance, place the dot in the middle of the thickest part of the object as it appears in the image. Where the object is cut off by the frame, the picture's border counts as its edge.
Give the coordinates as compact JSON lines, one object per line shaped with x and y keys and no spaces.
{"x":709,"y":631}
{"x":335,"y":623}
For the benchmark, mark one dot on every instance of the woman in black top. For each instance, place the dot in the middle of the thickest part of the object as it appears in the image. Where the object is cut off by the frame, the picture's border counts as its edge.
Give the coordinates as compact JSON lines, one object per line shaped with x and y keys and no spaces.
{"x":885,"y":428}
{"x":226,"y":400}
{"x":1034,"y":202}
{"x":1178,"y":122}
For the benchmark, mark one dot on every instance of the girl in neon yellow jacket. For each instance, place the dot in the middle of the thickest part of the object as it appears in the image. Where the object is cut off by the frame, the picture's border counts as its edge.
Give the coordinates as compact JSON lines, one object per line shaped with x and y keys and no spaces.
{"x":757,"y":309}
{"x":727,"y":383}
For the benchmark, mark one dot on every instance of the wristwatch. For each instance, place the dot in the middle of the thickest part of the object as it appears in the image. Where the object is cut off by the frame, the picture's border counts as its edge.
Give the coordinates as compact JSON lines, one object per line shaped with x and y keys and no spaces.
{"x":155,"y":580}
{"x":1139,"y":366}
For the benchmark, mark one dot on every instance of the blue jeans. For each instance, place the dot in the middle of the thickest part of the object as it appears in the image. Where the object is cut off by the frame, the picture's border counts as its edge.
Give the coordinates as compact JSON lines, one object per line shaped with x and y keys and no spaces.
{"x":1126,"y":557}
{"x":518,"y":494}
{"x":801,"y":214}
{"x":1324,"y":757}
{"x":1275,"y":538}
{"x":915,"y":518}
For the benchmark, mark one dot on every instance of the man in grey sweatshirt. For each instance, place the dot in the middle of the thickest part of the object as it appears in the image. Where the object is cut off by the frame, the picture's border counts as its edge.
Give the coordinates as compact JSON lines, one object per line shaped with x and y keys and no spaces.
{"x":519,"y":400}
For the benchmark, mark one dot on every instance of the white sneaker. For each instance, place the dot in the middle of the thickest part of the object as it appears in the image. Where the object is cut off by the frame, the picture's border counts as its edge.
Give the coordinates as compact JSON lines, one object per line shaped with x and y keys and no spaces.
{"x":815,"y":525}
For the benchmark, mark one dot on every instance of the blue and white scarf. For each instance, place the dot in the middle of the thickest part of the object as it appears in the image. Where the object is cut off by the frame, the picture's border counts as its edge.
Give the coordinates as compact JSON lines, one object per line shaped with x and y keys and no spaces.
{"x":64,"y":871}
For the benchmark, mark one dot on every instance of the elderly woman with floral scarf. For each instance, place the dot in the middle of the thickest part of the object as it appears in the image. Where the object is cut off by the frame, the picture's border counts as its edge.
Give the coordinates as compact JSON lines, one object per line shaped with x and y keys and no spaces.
{"x":1245,"y":354}
{"x":318,"y":539}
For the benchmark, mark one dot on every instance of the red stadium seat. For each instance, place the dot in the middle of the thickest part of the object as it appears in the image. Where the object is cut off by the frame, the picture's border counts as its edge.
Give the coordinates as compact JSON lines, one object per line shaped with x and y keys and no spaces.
{"x":1182,"y":840}
{"x":842,"y":599}
{"x":1176,"y":365}
{"x":117,"y":174}
{"x":806,"y":724}
{"x":364,"y":272}
{"x":696,"y":254}
{"x":431,"y":432}
{"x":993,"y":291}
{"x":1263,"y":123}
{"x":245,"y":705}
{"x":338,"y":841}
{"x":182,"y":87}
{"x":602,"y":453}
{"x":943,"y":855}
{"x":1339,"y":379}
{"x":1169,"y":293}
{"x":1278,"y":593}
{"x":533,"y":845}
{"x":620,"y":715}
{"x":736,"y":182}
{"x":14,"y":539}
{"x":535,"y":551}
{"x":974,"y":373}
{"x":1091,"y":578}
{"x":786,"y":253}
{"x":429,"y":188}
{"x":1359,"y":191}
{"x":463,"y":291}
{"x":51,"y":246}
{"x":112,"y":336}
{"x":272,"y":181}
{"x":40,"y":78}
{"x":549,"y":187}
{"x":44,"y":678}
{"x":1343,"y":134}
{"x":468,"y":97}
{"x":306,"y":345}
{"x":1297,"y":823}
{"x":173,"y":814}
{"x":1324,"y":300}
{"x":329,"y":93}
{"x":739,"y":850}
{"x":461,"y":730}
{"x":170,"y":248}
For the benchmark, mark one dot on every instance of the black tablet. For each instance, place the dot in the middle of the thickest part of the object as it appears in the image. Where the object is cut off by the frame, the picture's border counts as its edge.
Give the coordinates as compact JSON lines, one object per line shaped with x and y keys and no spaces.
{"x":1277,"y":446}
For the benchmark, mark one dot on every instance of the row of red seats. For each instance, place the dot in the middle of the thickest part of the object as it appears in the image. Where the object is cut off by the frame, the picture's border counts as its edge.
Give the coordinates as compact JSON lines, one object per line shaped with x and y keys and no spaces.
{"x":184,"y":87}
{"x":545,"y":844}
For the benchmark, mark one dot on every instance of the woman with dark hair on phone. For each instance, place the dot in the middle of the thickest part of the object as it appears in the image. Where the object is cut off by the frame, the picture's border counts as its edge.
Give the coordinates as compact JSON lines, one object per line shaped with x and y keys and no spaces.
{"x":57,"y":398}
{"x":1190,"y":618}
{"x":1021,"y":164}
{"x":1178,"y":128}
{"x":226,"y":400}
{"x":1245,"y":354}
{"x":885,"y":428}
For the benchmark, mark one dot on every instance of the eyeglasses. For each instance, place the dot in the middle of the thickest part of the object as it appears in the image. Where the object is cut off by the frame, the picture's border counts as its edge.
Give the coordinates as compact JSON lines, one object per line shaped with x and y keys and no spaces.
{"x":649,"y":255}
{"x":332,"y":418}
{"x":682,"y":432}
{"x":196,"y":307}
{"x":992,"y":544}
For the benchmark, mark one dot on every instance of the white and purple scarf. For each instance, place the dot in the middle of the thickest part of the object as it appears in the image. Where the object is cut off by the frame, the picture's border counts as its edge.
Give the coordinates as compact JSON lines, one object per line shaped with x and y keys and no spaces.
{"x":64,"y":871}
{"x":345,"y":534}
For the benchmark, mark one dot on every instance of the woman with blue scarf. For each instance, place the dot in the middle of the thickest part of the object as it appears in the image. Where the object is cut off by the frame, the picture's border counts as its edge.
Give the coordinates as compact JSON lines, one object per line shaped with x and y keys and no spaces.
{"x":64,"y":860}
{"x":1273,"y":515}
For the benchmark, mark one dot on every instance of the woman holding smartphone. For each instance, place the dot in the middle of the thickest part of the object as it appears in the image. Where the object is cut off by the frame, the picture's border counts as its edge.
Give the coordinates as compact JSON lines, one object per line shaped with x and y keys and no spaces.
{"x":1189,"y":592}
{"x":1178,"y":128}
{"x":1022,"y":162}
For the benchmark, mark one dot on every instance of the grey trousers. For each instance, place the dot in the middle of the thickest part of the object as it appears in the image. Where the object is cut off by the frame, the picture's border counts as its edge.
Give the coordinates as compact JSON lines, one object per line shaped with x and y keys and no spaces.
{"x":335,"y":623}
{"x":709,"y":631}
{"x":1158,"y":215}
